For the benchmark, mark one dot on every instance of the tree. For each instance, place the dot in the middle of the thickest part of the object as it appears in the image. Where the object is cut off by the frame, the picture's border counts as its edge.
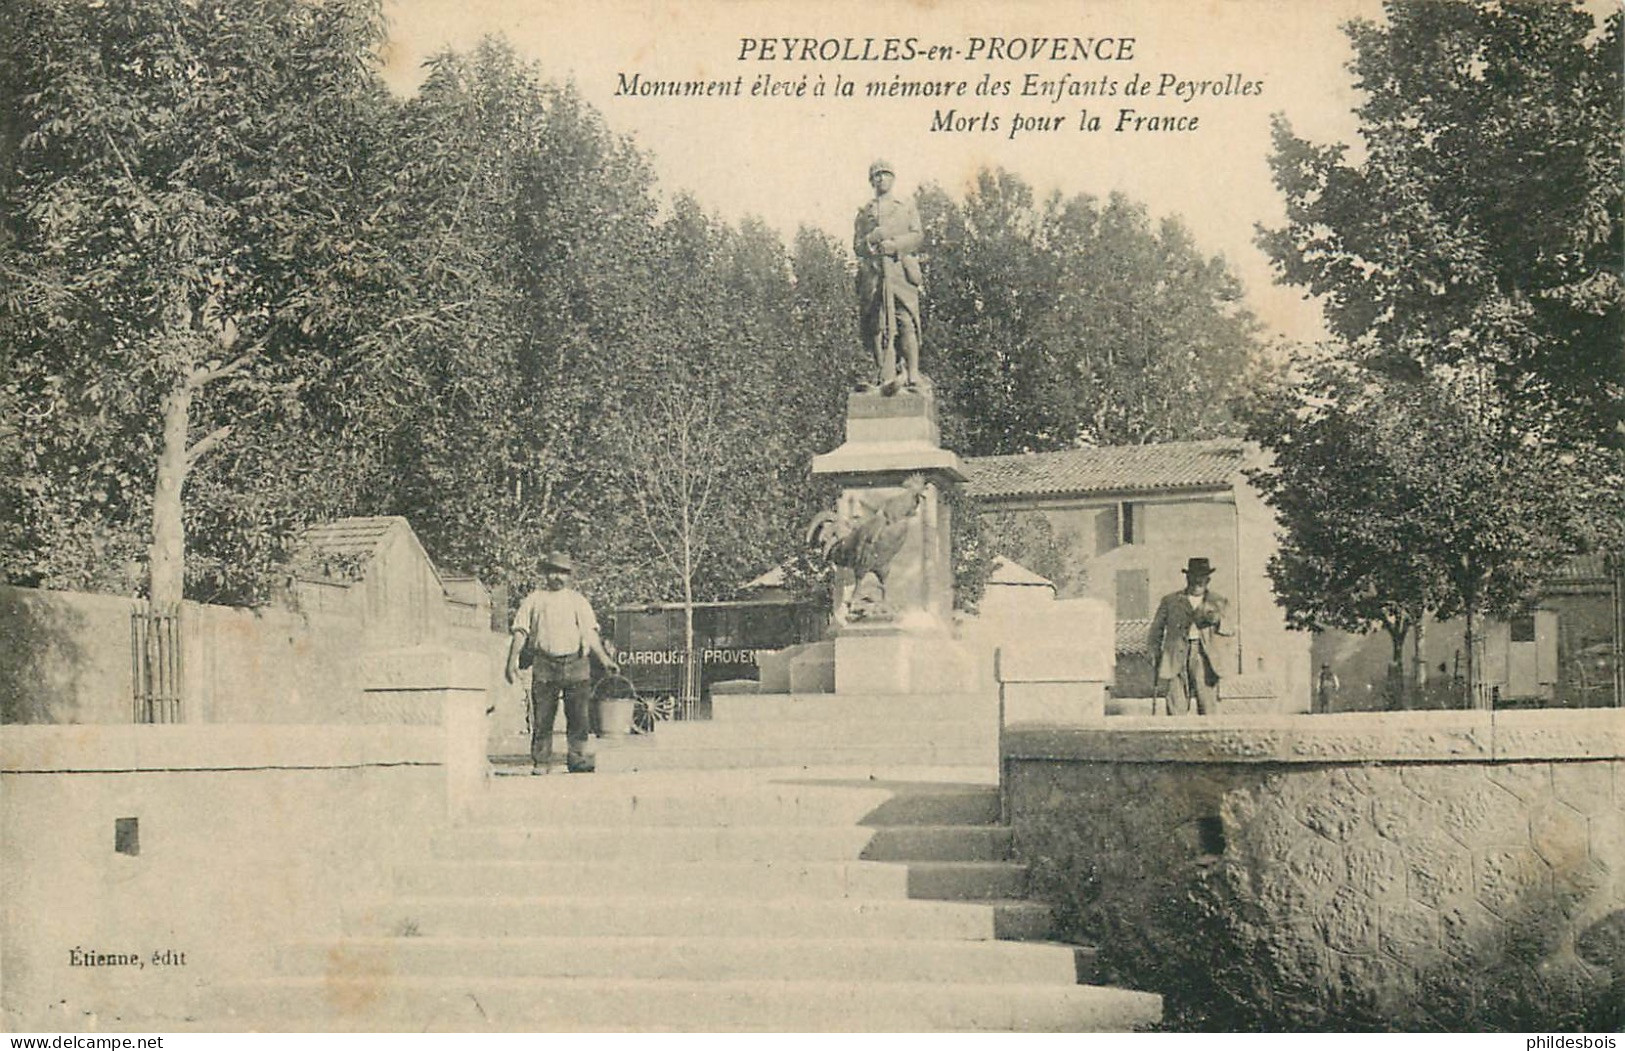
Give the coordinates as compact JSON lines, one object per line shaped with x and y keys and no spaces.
{"x":1484,"y":222}
{"x":1353,"y":527}
{"x":527,"y":233}
{"x":1400,"y":498}
{"x":675,"y":456}
{"x":1469,"y":264}
{"x":187,"y":247}
{"x":1065,"y":322}
{"x":1032,"y":541}
{"x":710,"y":470}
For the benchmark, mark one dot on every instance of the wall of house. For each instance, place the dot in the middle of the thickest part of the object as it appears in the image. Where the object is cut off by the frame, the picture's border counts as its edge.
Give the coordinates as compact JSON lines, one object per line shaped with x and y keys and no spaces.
{"x":1410,"y":871}
{"x":1268,"y":665}
{"x":1269,"y":649}
{"x":246,"y":837}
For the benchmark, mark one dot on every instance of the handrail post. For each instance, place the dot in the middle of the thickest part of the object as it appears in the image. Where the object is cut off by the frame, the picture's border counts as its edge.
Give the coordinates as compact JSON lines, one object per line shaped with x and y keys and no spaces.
{"x":1004,"y":762}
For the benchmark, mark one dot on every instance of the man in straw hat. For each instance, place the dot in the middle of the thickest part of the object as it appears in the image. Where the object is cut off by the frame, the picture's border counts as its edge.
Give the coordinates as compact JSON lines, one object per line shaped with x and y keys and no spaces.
{"x":1183,"y":642}
{"x":556,"y":629}
{"x":885,"y":237}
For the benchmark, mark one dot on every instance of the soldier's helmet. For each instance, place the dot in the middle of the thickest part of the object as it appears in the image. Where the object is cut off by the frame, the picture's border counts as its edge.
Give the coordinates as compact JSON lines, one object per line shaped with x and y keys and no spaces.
{"x":881,"y":166}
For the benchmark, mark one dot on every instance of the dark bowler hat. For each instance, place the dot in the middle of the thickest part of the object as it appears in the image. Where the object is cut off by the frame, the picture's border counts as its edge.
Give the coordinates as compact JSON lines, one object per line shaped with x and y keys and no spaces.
{"x":1198,"y":567}
{"x":558,"y":560}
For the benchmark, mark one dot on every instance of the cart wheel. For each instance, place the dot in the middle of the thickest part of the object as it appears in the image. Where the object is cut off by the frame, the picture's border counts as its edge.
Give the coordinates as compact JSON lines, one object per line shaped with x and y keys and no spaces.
{"x":643,"y":717}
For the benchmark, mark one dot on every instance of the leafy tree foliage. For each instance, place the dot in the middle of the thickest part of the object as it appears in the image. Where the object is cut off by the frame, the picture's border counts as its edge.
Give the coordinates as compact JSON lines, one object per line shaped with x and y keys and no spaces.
{"x":187,"y":247}
{"x":237,"y":270}
{"x":527,"y":231}
{"x":1484,"y":221}
{"x":736,"y":342}
{"x":1065,"y":322}
{"x":1401,"y":498}
{"x":1470,"y":435}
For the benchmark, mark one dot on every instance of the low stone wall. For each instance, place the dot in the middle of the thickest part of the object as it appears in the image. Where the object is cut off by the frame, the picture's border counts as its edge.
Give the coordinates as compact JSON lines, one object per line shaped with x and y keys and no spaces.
{"x":243,"y":837}
{"x":67,"y":660}
{"x":1417,"y":871}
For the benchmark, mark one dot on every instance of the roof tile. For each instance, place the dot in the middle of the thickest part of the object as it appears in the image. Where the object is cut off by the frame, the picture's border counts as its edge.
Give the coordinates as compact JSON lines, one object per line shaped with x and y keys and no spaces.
{"x":1110,"y":468}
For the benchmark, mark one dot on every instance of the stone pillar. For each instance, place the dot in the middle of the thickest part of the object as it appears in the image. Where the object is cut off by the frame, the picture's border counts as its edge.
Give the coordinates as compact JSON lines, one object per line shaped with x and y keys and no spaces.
{"x":909,"y":648}
{"x":425,"y":685}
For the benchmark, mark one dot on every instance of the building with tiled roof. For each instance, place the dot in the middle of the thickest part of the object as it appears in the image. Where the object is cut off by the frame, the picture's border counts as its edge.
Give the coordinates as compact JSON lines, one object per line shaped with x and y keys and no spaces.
{"x":1131,"y":517}
{"x":1170,"y":467}
{"x":374,"y":569}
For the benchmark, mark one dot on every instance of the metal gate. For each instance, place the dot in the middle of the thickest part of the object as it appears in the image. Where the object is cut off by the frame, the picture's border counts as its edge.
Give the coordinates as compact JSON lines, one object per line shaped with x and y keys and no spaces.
{"x":155,"y":663}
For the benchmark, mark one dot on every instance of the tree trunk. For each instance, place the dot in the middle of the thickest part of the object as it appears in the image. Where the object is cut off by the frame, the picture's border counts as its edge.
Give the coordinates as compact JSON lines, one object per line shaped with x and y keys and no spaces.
{"x":167,"y":556}
{"x":691,"y":675}
{"x":1475,"y":695}
{"x":1419,"y":668}
{"x":1396,"y":667}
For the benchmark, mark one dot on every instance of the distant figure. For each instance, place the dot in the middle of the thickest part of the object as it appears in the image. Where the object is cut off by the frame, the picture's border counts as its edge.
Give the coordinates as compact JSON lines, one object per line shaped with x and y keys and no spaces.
{"x":885,"y":237}
{"x":1182,"y":637}
{"x":1326,"y":689}
{"x":554,"y":631}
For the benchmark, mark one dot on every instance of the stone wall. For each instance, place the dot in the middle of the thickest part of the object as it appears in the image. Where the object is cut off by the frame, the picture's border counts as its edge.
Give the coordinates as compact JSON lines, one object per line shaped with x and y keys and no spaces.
{"x":64,"y":657}
{"x":245,"y":837}
{"x":67,"y":660}
{"x":1415,"y":871}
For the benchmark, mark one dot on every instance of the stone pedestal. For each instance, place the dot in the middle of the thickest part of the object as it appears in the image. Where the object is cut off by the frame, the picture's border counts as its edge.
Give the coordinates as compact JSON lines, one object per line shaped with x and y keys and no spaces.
{"x":892,"y":660}
{"x":888,"y":440}
{"x":1054,"y":683}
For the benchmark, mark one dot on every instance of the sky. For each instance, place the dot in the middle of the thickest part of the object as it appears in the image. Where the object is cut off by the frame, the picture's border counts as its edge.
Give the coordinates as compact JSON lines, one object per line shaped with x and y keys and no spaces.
{"x":796,"y":161}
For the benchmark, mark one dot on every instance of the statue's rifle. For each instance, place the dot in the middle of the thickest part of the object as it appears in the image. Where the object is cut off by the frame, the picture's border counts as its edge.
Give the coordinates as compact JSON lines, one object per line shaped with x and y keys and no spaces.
{"x":887,"y":363}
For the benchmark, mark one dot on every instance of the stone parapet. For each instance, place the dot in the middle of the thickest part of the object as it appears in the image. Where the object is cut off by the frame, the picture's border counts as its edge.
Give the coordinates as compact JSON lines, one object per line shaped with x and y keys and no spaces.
{"x":195,"y":848}
{"x":1462,"y":871}
{"x":1394,"y":737}
{"x":110,"y":749}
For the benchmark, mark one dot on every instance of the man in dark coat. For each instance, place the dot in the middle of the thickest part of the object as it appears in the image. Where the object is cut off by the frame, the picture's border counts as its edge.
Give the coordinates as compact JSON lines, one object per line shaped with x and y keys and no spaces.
{"x":1183,"y":641}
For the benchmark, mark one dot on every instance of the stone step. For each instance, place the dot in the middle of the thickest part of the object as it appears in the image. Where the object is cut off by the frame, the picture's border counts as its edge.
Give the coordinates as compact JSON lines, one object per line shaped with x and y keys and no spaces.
{"x":747,"y":880}
{"x":649,"y":755}
{"x":755,"y":880}
{"x":388,"y":1002}
{"x":574,"y":801}
{"x":490,"y":916}
{"x":854,"y":709}
{"x":697,"y":958}
{"x":654,"y":844}
{"x":967,"y":880}
{"x":939,"y":843}
{"x":822,"y":733}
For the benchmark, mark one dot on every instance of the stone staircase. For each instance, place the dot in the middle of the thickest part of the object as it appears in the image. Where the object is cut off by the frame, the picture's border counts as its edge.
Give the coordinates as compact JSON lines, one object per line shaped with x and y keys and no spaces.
{"x":819,"y":729}
{"x":725,"y":899}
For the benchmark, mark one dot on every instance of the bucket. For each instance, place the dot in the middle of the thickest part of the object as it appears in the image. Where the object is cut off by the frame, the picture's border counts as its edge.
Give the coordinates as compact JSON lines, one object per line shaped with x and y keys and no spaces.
{"x":615,"y":716}
{"x":614,"y":700}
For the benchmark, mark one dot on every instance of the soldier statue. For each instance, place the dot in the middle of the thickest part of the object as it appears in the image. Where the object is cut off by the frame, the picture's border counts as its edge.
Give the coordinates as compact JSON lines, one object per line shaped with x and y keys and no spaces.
{"x":885,"y":239}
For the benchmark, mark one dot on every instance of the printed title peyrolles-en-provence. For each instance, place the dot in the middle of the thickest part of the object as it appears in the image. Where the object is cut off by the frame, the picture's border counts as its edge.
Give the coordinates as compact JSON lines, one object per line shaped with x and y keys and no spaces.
{"x":907,"y":49}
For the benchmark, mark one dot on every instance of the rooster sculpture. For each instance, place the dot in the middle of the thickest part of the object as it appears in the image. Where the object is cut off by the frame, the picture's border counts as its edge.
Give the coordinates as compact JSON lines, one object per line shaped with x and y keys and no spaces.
{"x":867,"y":543}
